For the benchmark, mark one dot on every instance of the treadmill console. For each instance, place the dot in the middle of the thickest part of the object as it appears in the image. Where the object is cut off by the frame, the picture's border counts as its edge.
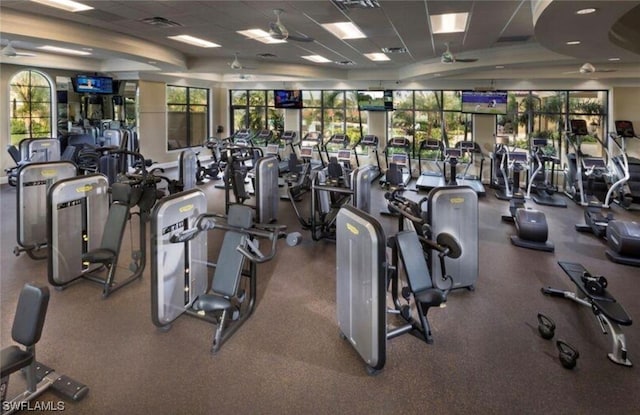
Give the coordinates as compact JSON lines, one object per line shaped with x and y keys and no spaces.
{"x":399,"y":142}
{"x":338,"y":138}
{"x":242,"y":135}
{"x":344,"y":155}
{"x":539,"y":142}
{"x":467,"y":145}
{"x":306,"y":152}
{"x":288,"y":136}
{"x":272,"y":149}
{"x":400,"y":159}
{"x":579,"y":127}
{"x":519,"y":157}
{"x":453,"y":153}
{"x":312,"y":136}
{"x":594,"y":163}
{"x":369,"y":140}
{"x":430,"y":144}
{"x":625,"y":129}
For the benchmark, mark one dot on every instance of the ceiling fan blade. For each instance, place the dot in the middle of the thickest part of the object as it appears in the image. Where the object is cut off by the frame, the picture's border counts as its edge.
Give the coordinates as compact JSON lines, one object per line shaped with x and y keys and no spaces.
{"x":466,"y":60}
{"x":300,"y":38}
{"x":605,"y":70}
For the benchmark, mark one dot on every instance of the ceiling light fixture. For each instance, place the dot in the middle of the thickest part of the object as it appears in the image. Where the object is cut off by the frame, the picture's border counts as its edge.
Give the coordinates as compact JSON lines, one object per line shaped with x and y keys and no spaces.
{"x":395,"y":49}
{"x":316,"y":58}
{"x":449,"y":23}
{"x":344,"y":30}
{"x":192,"y":40}
{"x":377,"y":57}
{"x":586,"y":11}
{"x":260,"y":35}
{"x":573,"y":42}
{"x":64,"y":50}
{"x":68,"y":5}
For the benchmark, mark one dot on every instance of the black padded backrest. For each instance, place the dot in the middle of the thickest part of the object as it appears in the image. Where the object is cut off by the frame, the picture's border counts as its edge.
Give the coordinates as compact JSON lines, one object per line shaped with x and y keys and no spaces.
{"x":121,"y":192}
{"x":114,"y":228}
{"x":108,"y":166}
{"x":240,"y":216}
{"x":229,"y":267}
{"x":30,"y":314}
{"x":69,"y":153}
{"x":415,"y":265}
{"x":334,"y":169}
{"x":80,"y":139}
{"x":14,"y":153}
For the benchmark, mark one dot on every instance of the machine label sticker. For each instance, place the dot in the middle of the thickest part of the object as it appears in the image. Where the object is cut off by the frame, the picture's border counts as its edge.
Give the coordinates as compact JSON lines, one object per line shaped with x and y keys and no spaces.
{"x":48,"y":172}
{"x":186,"y":208}
{"x":456,"y":200}
{"x":35,"y":183}
{"x":68,"y":204}
{"x":172,"y":228}
{"x":84,"y":189}
{"x":353,"y":229}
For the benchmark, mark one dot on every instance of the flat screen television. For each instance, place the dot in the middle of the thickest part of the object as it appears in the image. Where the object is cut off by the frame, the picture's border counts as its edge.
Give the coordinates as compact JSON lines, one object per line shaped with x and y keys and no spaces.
{"x":91,"y":84}
{"x":484,"y":102}
{"x":375,"y":100}
{"x":287,"y":98}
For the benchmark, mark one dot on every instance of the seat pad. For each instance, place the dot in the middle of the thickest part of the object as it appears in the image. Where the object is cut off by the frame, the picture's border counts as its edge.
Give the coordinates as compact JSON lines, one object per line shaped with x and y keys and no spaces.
{"x":430,"y":297}
{"x":211,"y":302}
{"x":99,"y":255}
{"x":13,"y":359}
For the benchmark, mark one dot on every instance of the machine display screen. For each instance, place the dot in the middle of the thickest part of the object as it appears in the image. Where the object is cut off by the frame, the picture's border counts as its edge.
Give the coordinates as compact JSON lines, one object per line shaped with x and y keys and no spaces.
{"x":594,"y":162}
{"x":520,"y":157}
{"x":579,"y":127}
{"x":272,"y":149}
{"x":369,"y":140}
{"x":453,"y":152}
{"x":539,"y":142}
{"x":400,"y":159}
{"x":306,"y":151}
{"x":625,"y":129}
{"x":344,"y":155}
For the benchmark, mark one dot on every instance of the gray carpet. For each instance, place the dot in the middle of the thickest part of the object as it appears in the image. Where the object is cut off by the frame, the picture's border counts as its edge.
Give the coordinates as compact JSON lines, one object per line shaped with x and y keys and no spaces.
{"x":288,"y":358}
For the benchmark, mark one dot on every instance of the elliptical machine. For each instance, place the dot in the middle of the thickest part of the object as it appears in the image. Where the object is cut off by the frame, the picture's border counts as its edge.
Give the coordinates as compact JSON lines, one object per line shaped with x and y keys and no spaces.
{"x":540,"y":187}
{"x":531,"y":225}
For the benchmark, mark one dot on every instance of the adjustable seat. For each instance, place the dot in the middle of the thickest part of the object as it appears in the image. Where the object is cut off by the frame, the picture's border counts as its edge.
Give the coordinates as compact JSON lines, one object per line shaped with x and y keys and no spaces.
{"x":109,"y":250}
{"x":419,"y":279}
{"x":26,"y":330}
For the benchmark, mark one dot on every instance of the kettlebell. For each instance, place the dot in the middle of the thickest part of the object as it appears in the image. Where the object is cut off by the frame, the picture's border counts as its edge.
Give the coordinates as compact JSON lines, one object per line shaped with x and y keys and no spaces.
{"x":546,"y":327}
{"x":568,"y":354}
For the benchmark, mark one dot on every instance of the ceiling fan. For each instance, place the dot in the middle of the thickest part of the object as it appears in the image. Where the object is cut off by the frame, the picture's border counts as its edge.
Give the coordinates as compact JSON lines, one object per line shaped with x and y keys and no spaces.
{"x":588,"y":68}
{"x":10,"y":52}
{"x":448,"y":57}
{"x":279,"y":32}
{"x":236,"y":65}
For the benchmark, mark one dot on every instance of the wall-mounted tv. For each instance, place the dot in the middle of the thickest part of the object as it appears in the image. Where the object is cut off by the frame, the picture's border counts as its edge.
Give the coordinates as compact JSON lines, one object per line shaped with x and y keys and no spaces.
{"x":92,"y":84}
{"x":375,"y":100}
{"x":484,"y":102}
{"x":287,"y":98}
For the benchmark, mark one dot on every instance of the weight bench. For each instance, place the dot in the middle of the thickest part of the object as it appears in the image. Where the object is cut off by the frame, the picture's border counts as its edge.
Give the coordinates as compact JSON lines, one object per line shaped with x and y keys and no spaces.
{"x":27,"y":330}
{"x":607,"y":310}
{"x":421,"y":287}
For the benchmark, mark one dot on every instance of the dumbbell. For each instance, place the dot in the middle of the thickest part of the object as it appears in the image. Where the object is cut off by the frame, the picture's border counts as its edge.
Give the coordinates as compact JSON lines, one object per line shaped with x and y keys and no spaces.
{"x":595,"y":285}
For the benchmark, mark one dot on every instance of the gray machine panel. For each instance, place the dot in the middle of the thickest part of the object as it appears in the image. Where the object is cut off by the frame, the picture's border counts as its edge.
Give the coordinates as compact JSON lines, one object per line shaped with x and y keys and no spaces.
{"x":178,"y":270}
{"x":188,"y":165}
{"x":361,"y":284}
{"x":361,"y":186}
{"x":455,"y":210}
{"x":112,"y":138}
{"x":34,"y":181}
{"x":77,"y":211}
{"x":44,"y":149}
{"x":267,"y":197}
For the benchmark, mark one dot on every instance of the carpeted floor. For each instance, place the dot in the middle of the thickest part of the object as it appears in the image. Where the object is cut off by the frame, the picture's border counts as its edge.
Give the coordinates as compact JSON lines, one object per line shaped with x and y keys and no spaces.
{"x":487,"y":357}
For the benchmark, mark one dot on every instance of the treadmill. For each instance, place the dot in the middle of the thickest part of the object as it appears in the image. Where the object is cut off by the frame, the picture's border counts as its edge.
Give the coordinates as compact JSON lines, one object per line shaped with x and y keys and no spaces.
{"x":312,"y":141}
{"x":430,"y":179}
{"x":399,"y":158}
{"x":543,"y":188}
{"x":471,"y":149}
{"x":370,"y":142}
{"x":341,"y":141}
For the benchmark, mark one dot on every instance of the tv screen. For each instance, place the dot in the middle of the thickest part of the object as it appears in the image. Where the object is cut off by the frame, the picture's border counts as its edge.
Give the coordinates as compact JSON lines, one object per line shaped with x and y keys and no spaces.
{"x":286,"y":98}
{"x":484,"y":102}
{"x":93,"y":84}
{"x":375,"y":100}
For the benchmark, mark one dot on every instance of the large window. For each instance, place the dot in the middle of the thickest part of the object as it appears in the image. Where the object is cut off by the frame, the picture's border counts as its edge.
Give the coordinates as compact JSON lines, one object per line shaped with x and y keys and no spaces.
{"x":30,"y":106}
{"x":187,"y":116}
{"x":255,"y":110}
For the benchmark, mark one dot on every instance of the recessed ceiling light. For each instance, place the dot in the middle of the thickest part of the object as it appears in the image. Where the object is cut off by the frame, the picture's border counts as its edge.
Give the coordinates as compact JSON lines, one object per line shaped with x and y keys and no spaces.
{"x":449,"y":22}
{"x":573,"y":42}
{"x":316,"y":58}
{"x":499,"y":66}
{"x":68,"y":5}
{"x":378,"y":57}
{"x":64,"y":50}
{"x":586,"y":11}
{"x":344,"y":30}
{"x":396,"y":49}
{"x":614,"y":59}
{"x":260,"y":35}
{"x":192,"y":40}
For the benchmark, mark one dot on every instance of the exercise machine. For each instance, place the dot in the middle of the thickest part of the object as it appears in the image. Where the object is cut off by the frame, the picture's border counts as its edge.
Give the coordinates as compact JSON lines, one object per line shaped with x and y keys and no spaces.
{"x":513,"y":164}
{"x":540,"y":187}
{"x":399,"y":168}
{"x":311,"y":142}
{"x":623,"y":240}
{"x":470,"y":151}
{"x":592,"y":292}
{"x":33,"y":181}
{"x":180,"y":264}
{"x":28,"y":323}
{"x":370,"y":143}
{"x":625,"y":191}
{"x":429,"y":179}
{"x":362,"y":275}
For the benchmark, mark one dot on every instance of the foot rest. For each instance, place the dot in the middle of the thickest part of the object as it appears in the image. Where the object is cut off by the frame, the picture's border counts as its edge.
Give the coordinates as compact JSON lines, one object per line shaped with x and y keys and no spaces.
{"x":605,"y":303}
{"x":62,"y":384}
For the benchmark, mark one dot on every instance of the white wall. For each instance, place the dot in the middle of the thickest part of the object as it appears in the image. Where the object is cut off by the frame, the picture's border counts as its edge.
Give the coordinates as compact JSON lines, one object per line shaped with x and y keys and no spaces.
{"x":626,"y":106}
